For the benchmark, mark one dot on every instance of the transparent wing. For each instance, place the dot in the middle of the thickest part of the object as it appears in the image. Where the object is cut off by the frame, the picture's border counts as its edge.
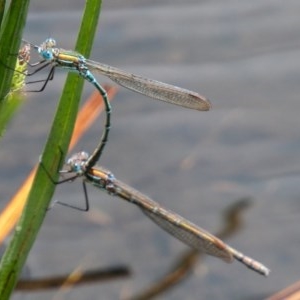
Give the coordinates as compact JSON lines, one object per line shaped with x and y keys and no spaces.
{"x":177,"y":226}
{"x":191,"y":235}
{"x":152,"y":88}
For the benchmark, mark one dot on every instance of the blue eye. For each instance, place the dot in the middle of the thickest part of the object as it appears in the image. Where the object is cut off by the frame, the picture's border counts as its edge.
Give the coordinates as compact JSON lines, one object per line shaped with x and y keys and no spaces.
{"x":47,"y":54}
{"x":77,"y":168}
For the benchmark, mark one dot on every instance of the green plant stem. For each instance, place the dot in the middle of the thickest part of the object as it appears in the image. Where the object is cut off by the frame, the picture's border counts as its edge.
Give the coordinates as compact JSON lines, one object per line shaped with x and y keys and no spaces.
{"x":56,"y":146}
{"x":10,"y":37}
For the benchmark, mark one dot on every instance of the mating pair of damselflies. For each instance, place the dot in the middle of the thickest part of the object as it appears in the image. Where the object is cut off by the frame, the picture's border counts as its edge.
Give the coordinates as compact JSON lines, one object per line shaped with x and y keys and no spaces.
{"x":83,"y":165}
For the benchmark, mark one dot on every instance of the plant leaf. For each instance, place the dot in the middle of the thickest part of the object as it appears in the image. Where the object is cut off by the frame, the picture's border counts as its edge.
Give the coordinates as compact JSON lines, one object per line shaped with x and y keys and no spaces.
{"x":52,"y":158}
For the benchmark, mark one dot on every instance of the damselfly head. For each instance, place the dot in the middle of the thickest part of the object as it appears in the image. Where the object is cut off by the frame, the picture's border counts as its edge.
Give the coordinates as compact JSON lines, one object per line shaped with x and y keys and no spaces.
{"x":48,"y":43}
{"x":45,"y":49}
{"x":24,"y":54}
{"x":76,"y":163}
{"x":46,"y":54}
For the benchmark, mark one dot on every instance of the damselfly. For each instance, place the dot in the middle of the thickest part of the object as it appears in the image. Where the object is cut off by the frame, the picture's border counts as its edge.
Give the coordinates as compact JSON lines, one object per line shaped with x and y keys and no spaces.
{"x":20,"y":72}
{"x":180,"y":228}
{"x":13,"y":99}
{"x":73,"y":61}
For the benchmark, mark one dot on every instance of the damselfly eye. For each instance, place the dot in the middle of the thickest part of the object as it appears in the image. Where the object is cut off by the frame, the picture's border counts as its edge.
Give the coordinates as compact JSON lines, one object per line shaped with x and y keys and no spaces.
{"x":77,"y":167}
{"x":83,"y":156}
{"x":50,"y":42}
{"x":47,"y":54}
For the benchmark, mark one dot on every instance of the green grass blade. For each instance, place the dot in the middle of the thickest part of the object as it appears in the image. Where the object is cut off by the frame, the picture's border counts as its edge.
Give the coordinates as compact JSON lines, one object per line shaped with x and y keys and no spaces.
{"x":14,"y":98}
{"x":10,"y":37}
{"x":57,"y":144}
{"x":2,"y":9}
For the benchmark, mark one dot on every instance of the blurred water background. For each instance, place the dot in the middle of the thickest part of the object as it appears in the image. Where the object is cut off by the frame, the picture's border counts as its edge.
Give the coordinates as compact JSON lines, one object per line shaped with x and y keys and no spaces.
{"x":242,"y":55}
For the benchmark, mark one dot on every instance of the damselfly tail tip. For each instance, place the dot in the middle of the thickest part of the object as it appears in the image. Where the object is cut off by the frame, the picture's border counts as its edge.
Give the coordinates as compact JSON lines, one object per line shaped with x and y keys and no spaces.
{"x":259,"y":268}
{"x":249,"y":262}
{"x":266,"y":272}
{"x":254,"y":265}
